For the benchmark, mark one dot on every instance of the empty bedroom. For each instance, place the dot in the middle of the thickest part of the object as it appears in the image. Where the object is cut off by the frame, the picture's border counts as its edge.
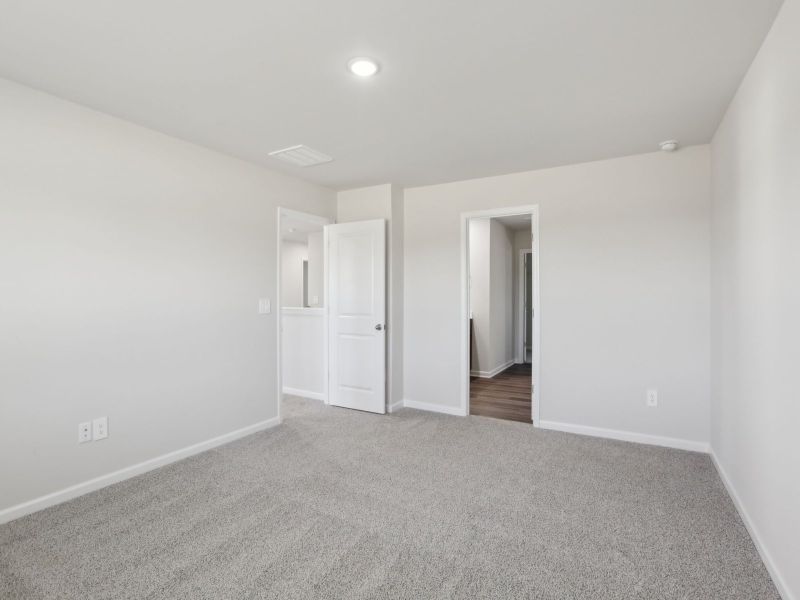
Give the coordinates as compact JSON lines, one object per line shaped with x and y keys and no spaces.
{"x":426,"y":299}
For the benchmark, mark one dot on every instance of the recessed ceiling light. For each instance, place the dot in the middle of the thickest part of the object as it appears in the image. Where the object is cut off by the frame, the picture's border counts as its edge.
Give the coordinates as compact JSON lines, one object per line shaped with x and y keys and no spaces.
{"x":363,"y":67}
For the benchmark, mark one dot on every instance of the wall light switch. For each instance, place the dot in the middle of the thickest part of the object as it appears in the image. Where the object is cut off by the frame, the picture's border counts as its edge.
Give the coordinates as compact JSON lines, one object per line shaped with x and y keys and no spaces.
{"x":100,"y":428}
{"x":264,"y":306}
{"x":652,"y":397}
{"x":84,"y":432}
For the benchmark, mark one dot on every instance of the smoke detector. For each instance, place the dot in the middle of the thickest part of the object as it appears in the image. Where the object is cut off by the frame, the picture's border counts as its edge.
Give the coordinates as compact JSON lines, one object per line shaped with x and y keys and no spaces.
{"x":301,"y":156}
{"x":669,"y":145}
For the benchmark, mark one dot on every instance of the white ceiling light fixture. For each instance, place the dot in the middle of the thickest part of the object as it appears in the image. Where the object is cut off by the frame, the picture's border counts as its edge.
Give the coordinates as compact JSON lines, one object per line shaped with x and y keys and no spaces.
{"x":362,"y":66}
{"x":301,"y":156}
{"x":669,"y":145}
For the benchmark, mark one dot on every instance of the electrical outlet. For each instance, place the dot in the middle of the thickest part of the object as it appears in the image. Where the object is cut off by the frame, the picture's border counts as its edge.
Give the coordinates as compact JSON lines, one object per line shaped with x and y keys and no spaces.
{"x":84,"y":432}
{"x":100,"y":428}
{"x":652,"y":397}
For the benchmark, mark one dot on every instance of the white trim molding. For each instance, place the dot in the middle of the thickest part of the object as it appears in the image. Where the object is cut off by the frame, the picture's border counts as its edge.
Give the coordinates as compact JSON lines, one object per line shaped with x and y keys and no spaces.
{"x":766,"y":557}
{"x":395,"y":407}
{"x":37,"y":504}
{"x":437,"y":408}
{"x":494,"y":372}
{"x":304,"y":393}
{"x":627,"y":436}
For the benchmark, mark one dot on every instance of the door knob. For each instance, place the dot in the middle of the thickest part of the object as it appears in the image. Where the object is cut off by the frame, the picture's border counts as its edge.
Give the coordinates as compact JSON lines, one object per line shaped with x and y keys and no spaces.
{"x":379,"y":327}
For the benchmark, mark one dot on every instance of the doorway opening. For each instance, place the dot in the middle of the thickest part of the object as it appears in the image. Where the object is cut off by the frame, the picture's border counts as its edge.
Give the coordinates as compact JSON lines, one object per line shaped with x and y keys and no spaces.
{"x":301,"y":301}
{"x":331,"y":342}
{"x":500,"y":294}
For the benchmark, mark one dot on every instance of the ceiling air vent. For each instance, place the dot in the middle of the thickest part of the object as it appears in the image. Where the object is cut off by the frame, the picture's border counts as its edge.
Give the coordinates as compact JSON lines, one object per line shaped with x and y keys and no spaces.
{"x":301,"y":156}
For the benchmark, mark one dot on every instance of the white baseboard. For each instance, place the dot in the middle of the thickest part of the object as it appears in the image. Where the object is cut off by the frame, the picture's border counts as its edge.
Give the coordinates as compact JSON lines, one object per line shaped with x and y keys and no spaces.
{"x":438,"y":408}
{"x":766,"y":557}
{"x":37,"y":504}
{"x":304,"y":393}
{"x":627,"y":436}
{"x":493,"y":372}
{"x":395,"y":407}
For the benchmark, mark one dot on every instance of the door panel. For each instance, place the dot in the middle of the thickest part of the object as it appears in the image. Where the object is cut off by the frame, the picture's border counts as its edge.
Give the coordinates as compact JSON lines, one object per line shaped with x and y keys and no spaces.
{"x":357,"y":301}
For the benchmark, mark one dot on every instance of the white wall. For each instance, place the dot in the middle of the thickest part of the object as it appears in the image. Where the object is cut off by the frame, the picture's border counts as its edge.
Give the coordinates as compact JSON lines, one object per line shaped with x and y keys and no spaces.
{"x":362,"y":204}
{"x":131,"y":264}
{"x":624,"y":289}
{"x":303,"y":357}
{"x":396,"y":294}
{"x":491,"y":285}
{"x":502,"y":318}
{"x":292,"y":256}
{"x":756,"y":297}
{"x":316,"y":270}
{"x":480,"y":294}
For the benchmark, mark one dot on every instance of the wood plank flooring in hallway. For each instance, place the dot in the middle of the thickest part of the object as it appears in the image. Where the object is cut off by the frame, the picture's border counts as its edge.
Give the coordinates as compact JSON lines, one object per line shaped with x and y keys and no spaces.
{"x":507,"y":395}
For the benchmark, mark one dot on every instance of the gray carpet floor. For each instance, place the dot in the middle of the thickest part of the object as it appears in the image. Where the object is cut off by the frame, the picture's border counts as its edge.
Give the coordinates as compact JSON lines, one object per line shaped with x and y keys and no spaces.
{"x":341,"y":504}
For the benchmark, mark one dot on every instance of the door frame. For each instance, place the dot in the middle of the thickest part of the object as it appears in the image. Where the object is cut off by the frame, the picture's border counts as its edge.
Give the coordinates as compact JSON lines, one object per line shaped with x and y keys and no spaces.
{"x":320,"y":220}
{"x":533,"y":211}
{"x":520,"y":333}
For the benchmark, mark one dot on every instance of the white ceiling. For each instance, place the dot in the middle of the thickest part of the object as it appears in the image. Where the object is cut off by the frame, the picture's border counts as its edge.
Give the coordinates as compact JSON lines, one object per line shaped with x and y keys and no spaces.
{"x":468,"y":88}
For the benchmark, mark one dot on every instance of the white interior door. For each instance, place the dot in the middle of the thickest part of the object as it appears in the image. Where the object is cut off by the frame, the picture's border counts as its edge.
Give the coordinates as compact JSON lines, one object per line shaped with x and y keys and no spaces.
{"x":357,"y":315}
